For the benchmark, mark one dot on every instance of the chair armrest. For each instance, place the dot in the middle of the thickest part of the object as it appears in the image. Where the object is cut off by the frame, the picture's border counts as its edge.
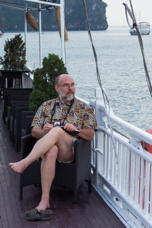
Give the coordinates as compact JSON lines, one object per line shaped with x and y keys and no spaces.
{"x":27,"y":143}
{"x":82,"y":151}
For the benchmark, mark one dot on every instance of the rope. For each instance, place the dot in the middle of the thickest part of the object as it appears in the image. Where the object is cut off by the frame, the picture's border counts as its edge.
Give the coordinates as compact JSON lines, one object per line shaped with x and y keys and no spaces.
{"x":105,"y":97}
{"x":130,"y":12}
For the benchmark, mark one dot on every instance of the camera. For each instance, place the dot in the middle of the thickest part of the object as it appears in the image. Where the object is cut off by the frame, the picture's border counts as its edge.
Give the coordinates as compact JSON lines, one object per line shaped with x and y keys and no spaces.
{"x":56,"y":124}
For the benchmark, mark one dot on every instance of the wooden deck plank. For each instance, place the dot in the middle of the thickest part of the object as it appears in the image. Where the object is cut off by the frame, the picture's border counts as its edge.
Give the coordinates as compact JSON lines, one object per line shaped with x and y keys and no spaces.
{"x":90,"y":210}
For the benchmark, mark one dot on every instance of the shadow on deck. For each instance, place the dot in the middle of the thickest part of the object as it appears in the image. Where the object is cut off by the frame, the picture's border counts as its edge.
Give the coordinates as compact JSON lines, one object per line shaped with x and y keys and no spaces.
{"x":90,"y":210}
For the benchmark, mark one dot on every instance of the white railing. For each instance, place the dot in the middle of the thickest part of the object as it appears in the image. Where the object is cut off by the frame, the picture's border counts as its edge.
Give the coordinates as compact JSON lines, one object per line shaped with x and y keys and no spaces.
{"x":122,"y":169}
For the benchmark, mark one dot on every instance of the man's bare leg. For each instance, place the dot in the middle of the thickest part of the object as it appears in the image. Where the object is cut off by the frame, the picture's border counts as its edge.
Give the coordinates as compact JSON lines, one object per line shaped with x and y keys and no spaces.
{"x":47,"y":175}
{"x":52,"y":138}
{"x":39,"y":149}
{"x":64,"y":152}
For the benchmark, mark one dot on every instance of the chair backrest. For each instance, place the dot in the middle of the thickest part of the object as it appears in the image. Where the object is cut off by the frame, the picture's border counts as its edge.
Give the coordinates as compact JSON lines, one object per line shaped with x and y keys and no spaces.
{"x":14,"y":96}
{"x":27,"y":117}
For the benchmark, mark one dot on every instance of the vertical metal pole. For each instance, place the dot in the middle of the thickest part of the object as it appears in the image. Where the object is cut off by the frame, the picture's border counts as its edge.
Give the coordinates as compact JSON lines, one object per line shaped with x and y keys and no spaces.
{"x":25,"y":27}
{"x":25,"y":38}
{"x":62,"y":29}
{"x":25,"y":30}
{"x":40,"y":31}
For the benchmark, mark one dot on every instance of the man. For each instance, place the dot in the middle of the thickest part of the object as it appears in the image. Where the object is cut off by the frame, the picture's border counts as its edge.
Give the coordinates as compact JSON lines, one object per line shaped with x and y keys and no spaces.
{"x":56,"y":124}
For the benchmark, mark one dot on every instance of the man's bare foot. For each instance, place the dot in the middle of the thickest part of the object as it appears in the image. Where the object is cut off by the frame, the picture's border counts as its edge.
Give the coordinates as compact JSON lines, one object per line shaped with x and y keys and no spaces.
{"x":43,"y":205}
{"x":18,"y":167}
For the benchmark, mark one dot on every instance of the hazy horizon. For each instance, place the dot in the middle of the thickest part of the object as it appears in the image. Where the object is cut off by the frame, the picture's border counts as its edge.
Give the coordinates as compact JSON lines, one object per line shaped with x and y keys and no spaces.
{"x":115,"y":11}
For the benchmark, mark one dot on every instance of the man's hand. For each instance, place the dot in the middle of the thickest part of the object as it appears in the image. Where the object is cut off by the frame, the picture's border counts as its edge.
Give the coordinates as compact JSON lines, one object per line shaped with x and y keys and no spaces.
{"x":70,"y":127}
{"x":38,"y":132}
{"x":46,"y":128}
{"x":87,"y":134}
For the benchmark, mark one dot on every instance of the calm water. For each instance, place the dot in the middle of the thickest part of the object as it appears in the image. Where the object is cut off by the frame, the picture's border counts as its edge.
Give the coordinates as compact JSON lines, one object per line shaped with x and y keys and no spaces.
{"x":120,"y":66}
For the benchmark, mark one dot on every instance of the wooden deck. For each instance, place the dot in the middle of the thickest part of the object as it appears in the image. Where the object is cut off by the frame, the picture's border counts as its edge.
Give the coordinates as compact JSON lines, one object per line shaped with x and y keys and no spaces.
{"x":90,"y":211}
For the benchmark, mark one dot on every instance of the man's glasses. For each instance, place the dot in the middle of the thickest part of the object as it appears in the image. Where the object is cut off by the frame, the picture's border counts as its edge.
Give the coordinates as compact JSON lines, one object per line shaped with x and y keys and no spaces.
{"x":66,"y":85}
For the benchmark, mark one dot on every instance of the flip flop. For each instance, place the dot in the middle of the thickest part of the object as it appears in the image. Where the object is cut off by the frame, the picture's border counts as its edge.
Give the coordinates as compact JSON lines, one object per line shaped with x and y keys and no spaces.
{"x":35,"y":215}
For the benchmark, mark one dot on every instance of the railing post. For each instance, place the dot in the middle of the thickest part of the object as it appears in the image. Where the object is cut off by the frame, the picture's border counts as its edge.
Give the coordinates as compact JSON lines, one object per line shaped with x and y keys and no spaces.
{"x":135,"y":142}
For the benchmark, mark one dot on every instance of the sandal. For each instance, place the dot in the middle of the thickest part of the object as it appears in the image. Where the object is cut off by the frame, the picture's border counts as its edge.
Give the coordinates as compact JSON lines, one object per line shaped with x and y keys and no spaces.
{"x":35,"y":215}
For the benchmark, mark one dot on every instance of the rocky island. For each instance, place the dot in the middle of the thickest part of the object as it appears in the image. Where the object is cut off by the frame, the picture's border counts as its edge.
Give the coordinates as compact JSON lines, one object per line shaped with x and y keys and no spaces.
{"x":12,"y":19}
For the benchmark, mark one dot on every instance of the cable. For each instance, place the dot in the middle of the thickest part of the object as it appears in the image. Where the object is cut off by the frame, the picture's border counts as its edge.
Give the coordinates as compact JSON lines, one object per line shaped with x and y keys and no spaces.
{"x":105,"y":97}
{"x":128,"y":12}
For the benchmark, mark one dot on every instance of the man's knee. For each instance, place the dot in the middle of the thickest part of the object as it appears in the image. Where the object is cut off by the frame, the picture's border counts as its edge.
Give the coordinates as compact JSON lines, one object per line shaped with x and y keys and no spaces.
{"x":57,"y":132}
{"x":52,"y":153}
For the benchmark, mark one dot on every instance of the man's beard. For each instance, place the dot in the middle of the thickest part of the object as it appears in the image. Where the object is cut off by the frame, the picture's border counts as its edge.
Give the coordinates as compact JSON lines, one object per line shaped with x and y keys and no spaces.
{"x":64,"y":97}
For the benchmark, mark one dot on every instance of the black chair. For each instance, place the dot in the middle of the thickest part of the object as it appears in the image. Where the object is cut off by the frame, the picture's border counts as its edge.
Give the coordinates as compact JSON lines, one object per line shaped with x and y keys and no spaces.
{"x":68,"y":175}
{"x":27,"y":117}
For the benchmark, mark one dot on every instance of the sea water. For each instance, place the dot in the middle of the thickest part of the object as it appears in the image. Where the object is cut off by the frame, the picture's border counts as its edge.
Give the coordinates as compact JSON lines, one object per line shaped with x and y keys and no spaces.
{"x":120,"y":65}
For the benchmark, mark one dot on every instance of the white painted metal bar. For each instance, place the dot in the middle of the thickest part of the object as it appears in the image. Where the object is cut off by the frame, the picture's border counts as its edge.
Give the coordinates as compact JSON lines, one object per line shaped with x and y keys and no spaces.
{"x":25,"y":27}
{"x":112,"y":166}
{"x":120,"y":167}
{"x":62,"y":30}
{"x":124,"y":171}
{"x":44,"y":2}
{"x":147,"y":188}
{"x":104,"y":154}
{"x":40,"y":32}
{"x":137,"y":173}
{"x":127,"y":172}
{"x":110,"y":160}
{"x":150,"y":207}
{"x":131,"y":180}
{"x":108,"y":157}
{"x":142,"y":175}
{"x":103,"y":151}
{"x":115,"y":167}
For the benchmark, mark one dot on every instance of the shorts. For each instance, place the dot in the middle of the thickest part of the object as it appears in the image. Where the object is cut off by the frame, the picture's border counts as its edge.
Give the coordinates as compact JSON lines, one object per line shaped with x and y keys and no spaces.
{"x":73,"y":141}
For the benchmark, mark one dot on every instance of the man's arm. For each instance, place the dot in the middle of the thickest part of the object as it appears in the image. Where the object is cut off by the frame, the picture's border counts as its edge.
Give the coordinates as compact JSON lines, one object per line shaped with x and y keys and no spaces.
{"x":38,"y":132}
{"x":87,"y":134}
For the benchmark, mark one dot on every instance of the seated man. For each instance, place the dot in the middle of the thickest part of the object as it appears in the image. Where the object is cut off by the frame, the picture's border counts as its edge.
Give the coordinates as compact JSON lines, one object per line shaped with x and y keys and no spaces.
{"x":56,"y":124}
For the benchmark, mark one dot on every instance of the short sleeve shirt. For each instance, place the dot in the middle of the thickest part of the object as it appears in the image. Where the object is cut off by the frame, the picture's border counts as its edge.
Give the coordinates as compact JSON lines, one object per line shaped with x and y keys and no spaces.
{"x":77,"y":113}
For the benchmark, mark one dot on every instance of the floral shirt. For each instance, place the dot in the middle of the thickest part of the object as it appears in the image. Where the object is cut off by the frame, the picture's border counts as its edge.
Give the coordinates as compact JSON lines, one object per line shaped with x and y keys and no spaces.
{"x":76,"y":112}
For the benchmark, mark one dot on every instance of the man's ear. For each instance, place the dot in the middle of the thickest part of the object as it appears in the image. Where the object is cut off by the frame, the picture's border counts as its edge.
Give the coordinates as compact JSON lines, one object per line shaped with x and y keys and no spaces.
{"x":56,"y":88}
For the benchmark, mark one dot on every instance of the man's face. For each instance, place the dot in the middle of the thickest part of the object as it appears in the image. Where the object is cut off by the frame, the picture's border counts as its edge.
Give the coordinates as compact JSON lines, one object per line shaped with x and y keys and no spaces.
{"x":66,"y":88}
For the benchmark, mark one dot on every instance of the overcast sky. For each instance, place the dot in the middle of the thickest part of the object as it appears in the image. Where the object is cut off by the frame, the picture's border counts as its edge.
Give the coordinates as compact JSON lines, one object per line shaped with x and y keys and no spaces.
{"x":116,"y":12}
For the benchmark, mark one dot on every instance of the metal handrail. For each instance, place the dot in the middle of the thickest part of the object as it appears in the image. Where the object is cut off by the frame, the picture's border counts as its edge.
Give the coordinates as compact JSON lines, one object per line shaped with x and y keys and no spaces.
{"x":123,"y":172}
